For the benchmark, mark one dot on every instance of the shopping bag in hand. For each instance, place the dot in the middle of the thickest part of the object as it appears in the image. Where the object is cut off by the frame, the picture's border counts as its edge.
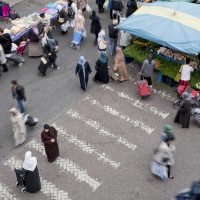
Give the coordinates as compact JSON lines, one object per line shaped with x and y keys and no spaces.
{"x":159,"y":170}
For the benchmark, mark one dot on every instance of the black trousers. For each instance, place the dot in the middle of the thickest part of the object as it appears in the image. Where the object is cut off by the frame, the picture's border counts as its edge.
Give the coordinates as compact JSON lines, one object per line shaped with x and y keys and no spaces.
{"x":148,"y":79}
{"x":169,"y":170}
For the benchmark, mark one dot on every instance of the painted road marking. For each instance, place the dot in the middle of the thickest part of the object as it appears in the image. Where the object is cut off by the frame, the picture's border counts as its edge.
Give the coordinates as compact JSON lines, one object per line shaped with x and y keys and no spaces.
{"x":6,"y":193}
{"x":138,"y":103}
{"x":48,"y":188}
{"x":87,"y":148}
{"x":67,"y":166}
{"x":159,"y":92}
{"x":123,"y":117}
{"x":102,"y":130}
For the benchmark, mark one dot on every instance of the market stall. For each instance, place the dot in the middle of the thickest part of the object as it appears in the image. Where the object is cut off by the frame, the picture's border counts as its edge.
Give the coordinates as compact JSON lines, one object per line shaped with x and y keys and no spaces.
{"x":19,"y":28}
{"x":175,"y":25}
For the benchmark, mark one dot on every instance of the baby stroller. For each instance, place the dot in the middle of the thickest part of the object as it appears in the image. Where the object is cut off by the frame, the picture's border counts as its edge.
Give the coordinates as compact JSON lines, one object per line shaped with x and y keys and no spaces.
{"x":20,"y":174}
{"x":15,"y":58}
{"x":31,"y":121}
{"x":194,"y":94}
{"x":196,"y":114}
{"x":77,"y":38}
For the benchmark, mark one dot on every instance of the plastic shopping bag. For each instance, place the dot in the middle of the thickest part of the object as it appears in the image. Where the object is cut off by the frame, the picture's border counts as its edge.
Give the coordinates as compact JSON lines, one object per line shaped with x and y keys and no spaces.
{"x":159,"y":170}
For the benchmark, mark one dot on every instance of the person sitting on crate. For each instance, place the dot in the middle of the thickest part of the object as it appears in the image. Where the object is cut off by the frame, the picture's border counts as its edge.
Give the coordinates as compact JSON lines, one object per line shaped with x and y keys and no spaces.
{"x":13,"y":15}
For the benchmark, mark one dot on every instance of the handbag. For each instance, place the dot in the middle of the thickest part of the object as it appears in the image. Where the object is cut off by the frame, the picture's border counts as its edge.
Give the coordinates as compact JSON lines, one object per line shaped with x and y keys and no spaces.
{"x":44,"y":61}
{"x":61,"y":20}
{"x":159,"y":170}
{"x":178,"y":75}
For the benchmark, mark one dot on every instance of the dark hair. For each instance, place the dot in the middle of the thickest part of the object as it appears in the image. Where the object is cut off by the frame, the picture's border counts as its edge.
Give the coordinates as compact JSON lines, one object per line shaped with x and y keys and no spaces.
{"x":1,"y":30}
{"x":187,"y":60}
{"x":14,"y":82}
{"x":93,"y":13}
{"x":42,"y":15}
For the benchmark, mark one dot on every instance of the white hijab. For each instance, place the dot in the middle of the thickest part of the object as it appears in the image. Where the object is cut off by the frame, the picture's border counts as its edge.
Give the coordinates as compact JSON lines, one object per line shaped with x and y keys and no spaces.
{"x":30,"y":162}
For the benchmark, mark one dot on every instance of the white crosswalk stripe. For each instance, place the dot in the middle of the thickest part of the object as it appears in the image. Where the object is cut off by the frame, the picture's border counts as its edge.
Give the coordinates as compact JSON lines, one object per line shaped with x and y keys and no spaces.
{"x":113,"y":112}
{"x":88,"y":148}
{"x":102,"y":130}
{"x":48,"y":188}
{"x":68,"y":166}
{"x":137,"y":103}
{"x":159,"y":92}
{"x":6,"y":193}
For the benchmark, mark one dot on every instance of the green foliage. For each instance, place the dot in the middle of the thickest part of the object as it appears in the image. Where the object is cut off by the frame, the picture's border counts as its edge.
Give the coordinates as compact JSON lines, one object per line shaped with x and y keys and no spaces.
{"x":140,"y":50}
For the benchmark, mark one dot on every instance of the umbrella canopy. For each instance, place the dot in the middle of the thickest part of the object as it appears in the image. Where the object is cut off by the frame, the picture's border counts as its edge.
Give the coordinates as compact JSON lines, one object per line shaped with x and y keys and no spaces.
{"x":172,"y":24}
{"x":178,"y":0}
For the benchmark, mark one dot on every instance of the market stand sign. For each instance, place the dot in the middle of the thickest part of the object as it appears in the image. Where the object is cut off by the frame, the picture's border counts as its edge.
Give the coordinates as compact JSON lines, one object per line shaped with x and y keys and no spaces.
{"x":172,"y":24}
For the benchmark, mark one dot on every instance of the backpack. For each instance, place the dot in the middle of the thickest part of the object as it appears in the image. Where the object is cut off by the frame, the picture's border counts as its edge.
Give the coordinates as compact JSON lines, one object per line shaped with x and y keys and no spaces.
{"x":117,"y":5}
{"x":71,"y":12}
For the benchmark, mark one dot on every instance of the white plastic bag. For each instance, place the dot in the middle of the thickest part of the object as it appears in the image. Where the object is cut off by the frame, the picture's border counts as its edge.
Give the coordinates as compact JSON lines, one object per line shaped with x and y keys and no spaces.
{"x":159,"y":170}
{"x":88,"y":9}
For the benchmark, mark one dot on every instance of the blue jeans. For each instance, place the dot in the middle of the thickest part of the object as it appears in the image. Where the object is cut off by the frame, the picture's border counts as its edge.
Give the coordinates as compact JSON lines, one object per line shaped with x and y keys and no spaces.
{"x":20,"y":105}
{"x":112,"y":45}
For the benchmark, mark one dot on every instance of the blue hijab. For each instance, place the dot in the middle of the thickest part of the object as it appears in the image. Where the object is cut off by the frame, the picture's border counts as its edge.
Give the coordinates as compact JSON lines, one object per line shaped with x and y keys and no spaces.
{"x":103,"y":58}
{"x":81,"y":61}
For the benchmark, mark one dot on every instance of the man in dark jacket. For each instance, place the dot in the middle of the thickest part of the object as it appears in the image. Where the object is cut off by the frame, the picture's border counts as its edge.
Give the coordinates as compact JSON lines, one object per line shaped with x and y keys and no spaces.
{"x":5,"y":41}
{"x":112,"y":36}
{"x":19,"y":94}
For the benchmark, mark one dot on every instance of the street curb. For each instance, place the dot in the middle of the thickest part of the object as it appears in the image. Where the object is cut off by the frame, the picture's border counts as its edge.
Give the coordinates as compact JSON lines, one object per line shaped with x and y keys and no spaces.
{"x":14,"y":2}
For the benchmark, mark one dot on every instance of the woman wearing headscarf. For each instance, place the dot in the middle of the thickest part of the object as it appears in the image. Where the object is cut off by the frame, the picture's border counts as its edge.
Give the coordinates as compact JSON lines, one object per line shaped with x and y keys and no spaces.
{"x":61,"y":14}
{"x":49,"y":138}
{"x":132,"y":7}
{"x":167,"y":131}
{"x":83,"y":70}
{"x":102,"y":44}
{"x":95,"y":25}
{"x":80,"y":23}
{"x":164,"y":154}
{"x":34,"y":46}
{"x":3,"y":59}
{"x":18,"y":126}
{"x":148,"y":69}
{"x":30,"y":169}
{"x":183,"y":114}
{"x":102,"y":69}
{"x":81,"y":4}
{"x":119,"y":66}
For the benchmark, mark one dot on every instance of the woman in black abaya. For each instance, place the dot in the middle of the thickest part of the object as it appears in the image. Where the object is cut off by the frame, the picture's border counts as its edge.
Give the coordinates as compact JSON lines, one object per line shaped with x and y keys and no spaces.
{"x":30,"y":169}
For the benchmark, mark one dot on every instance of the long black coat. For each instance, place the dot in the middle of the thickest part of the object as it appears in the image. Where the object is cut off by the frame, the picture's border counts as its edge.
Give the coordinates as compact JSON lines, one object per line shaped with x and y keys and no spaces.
{"x":83,"y":75}
{"x":102,"y":72}
{"x":95,"y":25}
{"x":183,"y":114}
{"x":131,"y":8}
{"x":32,"y":180}
{"x":5,"y":41}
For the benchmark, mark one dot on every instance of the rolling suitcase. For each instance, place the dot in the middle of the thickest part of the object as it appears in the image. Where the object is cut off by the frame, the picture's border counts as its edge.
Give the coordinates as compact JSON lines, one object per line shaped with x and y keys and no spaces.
{"x":143,"y":88}
{"x":20,"y":174}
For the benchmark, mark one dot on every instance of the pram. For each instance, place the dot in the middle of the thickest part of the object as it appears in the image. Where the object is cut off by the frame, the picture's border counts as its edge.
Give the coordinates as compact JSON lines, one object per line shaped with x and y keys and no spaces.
{"x":15,"y":58}
{"x":20,"y":174}
{"x":194,"y":95}
{"x":31,"y":121}
{"x":77,"y":38}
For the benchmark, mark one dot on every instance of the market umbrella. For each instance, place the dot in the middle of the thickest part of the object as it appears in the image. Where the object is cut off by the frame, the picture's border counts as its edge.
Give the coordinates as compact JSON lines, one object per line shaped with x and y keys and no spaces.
{"x":172,"y":24}
{"x":178,"y":0}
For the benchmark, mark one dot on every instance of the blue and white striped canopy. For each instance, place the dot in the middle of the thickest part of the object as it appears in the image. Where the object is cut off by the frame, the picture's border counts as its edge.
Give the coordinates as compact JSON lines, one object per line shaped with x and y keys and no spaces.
{"x":172,"y":24}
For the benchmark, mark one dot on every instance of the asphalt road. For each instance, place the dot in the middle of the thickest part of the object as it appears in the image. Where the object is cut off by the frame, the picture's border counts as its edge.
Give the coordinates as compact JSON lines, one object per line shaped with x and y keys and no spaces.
{"x":108,"y":133}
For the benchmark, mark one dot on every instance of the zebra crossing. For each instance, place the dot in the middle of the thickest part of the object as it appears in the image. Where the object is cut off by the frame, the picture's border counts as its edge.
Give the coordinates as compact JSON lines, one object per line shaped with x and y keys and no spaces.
{"x":79,"y":172}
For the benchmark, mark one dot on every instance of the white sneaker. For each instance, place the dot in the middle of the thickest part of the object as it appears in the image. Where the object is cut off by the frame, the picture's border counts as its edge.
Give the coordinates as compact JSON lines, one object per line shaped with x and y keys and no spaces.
{"x":58,"y":68}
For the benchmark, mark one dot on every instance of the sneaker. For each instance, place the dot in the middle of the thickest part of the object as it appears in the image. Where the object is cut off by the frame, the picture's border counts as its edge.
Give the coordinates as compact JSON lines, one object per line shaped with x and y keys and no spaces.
{"x":108,"y":67}
{"x":58,"y":68}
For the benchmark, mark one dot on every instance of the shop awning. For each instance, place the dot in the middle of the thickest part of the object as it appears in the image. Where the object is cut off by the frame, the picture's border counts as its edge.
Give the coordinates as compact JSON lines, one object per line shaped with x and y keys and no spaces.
{"x":172,"y":24}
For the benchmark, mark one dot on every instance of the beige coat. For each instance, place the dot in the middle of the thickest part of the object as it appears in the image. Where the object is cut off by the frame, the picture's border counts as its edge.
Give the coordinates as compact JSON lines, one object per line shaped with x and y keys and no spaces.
{"x":80,"y":22}
{"x":18,"y":126}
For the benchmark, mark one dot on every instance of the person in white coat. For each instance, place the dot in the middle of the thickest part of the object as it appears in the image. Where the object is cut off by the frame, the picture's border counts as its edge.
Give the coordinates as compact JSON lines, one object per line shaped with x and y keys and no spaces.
{"x":72,"y":11}
{"x":18,"y":126}
{"x":3,"y":59}
{"x":125,"y":39}
{"x":164,"y":154}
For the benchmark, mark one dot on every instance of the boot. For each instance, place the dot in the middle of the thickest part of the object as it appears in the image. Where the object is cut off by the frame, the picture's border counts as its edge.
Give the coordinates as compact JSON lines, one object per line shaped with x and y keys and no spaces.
{"x":5,"y":68}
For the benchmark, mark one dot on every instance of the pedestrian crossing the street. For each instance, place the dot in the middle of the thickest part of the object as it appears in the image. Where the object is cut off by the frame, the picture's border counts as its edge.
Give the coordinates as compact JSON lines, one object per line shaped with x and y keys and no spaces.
{"x":67,"y":166}
{"x":111,"y":158}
